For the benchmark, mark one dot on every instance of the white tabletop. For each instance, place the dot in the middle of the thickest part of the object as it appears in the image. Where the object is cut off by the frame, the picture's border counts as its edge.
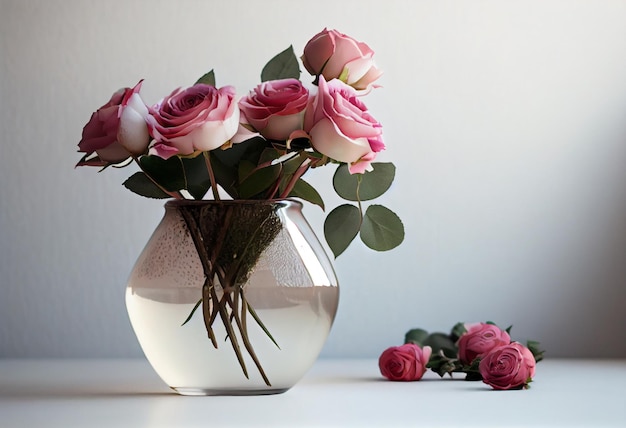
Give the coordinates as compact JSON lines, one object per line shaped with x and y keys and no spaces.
{"x":335,"y":393}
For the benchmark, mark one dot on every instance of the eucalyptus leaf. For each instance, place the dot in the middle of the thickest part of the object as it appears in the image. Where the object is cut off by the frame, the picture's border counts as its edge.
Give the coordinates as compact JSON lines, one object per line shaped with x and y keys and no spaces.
{"x":292,"y":164}
{"x":372,"y":184}
{"x":207,"y":79}
{"x":282,"y":66}
{"x":168,"y":173}
{"x":382,"y":229}
{"x":305,"y":191}
{"x":140,"y":184}
{"x":258,"y":181}
{"x":341,"y":227}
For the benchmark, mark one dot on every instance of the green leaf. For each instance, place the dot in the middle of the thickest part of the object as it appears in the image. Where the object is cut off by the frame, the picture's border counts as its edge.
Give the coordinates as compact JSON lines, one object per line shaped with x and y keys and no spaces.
{"x":225,"y":175}
{"x":258,"y":181}
{"x":282,"y":66}
{"x":192,"y":312}
{"x":457,"y":331}
{"x":304,"y":190}
{"x":168,"y":173}
{"x":441,"y":342}
{"x":341,"y":227}
{"x":249,"y":150}
{"x":443,"y":365}
{"x":143,"y":186}
{"x":268,"y":155}
{"x":226,"y":162}
{"x":416,"y":335}
{"x":382,"y":229}
{"x":207,"y":79}
{"x":535,"y":349}
{"x":292,"y":164}
{"x":196,"y":176}
{"x":373,"y":183}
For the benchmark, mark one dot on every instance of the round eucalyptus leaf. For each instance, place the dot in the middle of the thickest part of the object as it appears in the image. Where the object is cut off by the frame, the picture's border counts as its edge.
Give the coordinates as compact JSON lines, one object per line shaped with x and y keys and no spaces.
{"x":341,"y":227}
{"x":373,"y":183}
{"x":382,"y":229}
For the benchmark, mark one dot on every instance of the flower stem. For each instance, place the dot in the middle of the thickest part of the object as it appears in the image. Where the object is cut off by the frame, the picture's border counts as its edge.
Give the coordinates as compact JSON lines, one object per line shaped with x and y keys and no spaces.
{"x":207,"y":161}
{"x":358,"y":200}
{"x":296,"y":176}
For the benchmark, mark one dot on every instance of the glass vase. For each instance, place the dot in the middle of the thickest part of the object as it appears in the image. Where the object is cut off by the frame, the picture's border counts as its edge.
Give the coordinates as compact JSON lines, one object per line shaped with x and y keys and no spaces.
{"x":232,"y":297}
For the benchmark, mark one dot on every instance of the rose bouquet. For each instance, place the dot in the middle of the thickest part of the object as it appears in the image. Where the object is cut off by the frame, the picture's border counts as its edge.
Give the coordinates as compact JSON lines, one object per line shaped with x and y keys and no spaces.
{"x":482,"y":351}
{"x":205,"y":141}
{"x":205,"y":138}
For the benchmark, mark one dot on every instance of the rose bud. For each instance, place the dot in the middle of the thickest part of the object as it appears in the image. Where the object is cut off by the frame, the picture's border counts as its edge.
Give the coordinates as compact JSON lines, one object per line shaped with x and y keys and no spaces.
{"x":404,"y":363}
{"x":508,"y":367}
{"x":337,"y":56}
{"x":117,"y":130}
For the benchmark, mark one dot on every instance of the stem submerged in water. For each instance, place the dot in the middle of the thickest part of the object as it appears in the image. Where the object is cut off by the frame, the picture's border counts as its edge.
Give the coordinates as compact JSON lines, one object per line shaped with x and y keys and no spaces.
{"x":222,"y":291}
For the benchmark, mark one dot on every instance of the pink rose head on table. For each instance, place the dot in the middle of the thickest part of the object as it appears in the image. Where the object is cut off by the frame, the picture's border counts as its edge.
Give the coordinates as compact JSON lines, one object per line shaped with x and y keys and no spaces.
{"x":480,"y":351}
{"x":509,"y":366}
{"x":206,"y":141}
{"x":404,"y":363}
{"x":479,"y":339}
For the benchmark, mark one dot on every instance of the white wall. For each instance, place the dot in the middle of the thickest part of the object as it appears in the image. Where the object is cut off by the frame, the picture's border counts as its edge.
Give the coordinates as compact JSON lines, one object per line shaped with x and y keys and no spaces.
{"x":506,"y":121}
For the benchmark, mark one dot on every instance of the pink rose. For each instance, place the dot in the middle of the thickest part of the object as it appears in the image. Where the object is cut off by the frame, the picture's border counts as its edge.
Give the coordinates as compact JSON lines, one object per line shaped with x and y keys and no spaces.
{"x":276,"y":108}
{"x":341,"y":128}
{"x":199,"y":118}
{"x":404,"y":363}
{"x":117,"y":130}
{"x":510,"y":366}
{"x":337,"y":56}
{"x":479,"y":340}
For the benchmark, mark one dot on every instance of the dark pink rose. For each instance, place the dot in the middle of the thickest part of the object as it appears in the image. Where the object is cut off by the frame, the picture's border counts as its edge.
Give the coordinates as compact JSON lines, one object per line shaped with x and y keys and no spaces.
{"x":510,"y":366}
{"x":337,"y":56}
{"x":341,"y":128}
{"x":404,"y":363}
{"x":479,"y":339}
{"x":199,"y":118}
{"x":276,"y":108}
{"x":117,"y":130}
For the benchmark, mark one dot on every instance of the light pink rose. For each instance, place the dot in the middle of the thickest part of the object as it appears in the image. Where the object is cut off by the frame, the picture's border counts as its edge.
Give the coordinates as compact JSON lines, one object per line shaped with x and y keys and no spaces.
{"x":199,"y":118}
{"x":341,"y":128}
{"x":479,"y":339}
{"x":337,"y":56}
{"x":404,"y":363}
{"x":117,"y":130}
{"x":510,"y":366}
{"x":276,"y":108}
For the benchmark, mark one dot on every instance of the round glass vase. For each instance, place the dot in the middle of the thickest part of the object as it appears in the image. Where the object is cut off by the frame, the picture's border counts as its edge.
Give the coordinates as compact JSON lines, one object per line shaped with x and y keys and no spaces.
{"x":232,"y":297}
